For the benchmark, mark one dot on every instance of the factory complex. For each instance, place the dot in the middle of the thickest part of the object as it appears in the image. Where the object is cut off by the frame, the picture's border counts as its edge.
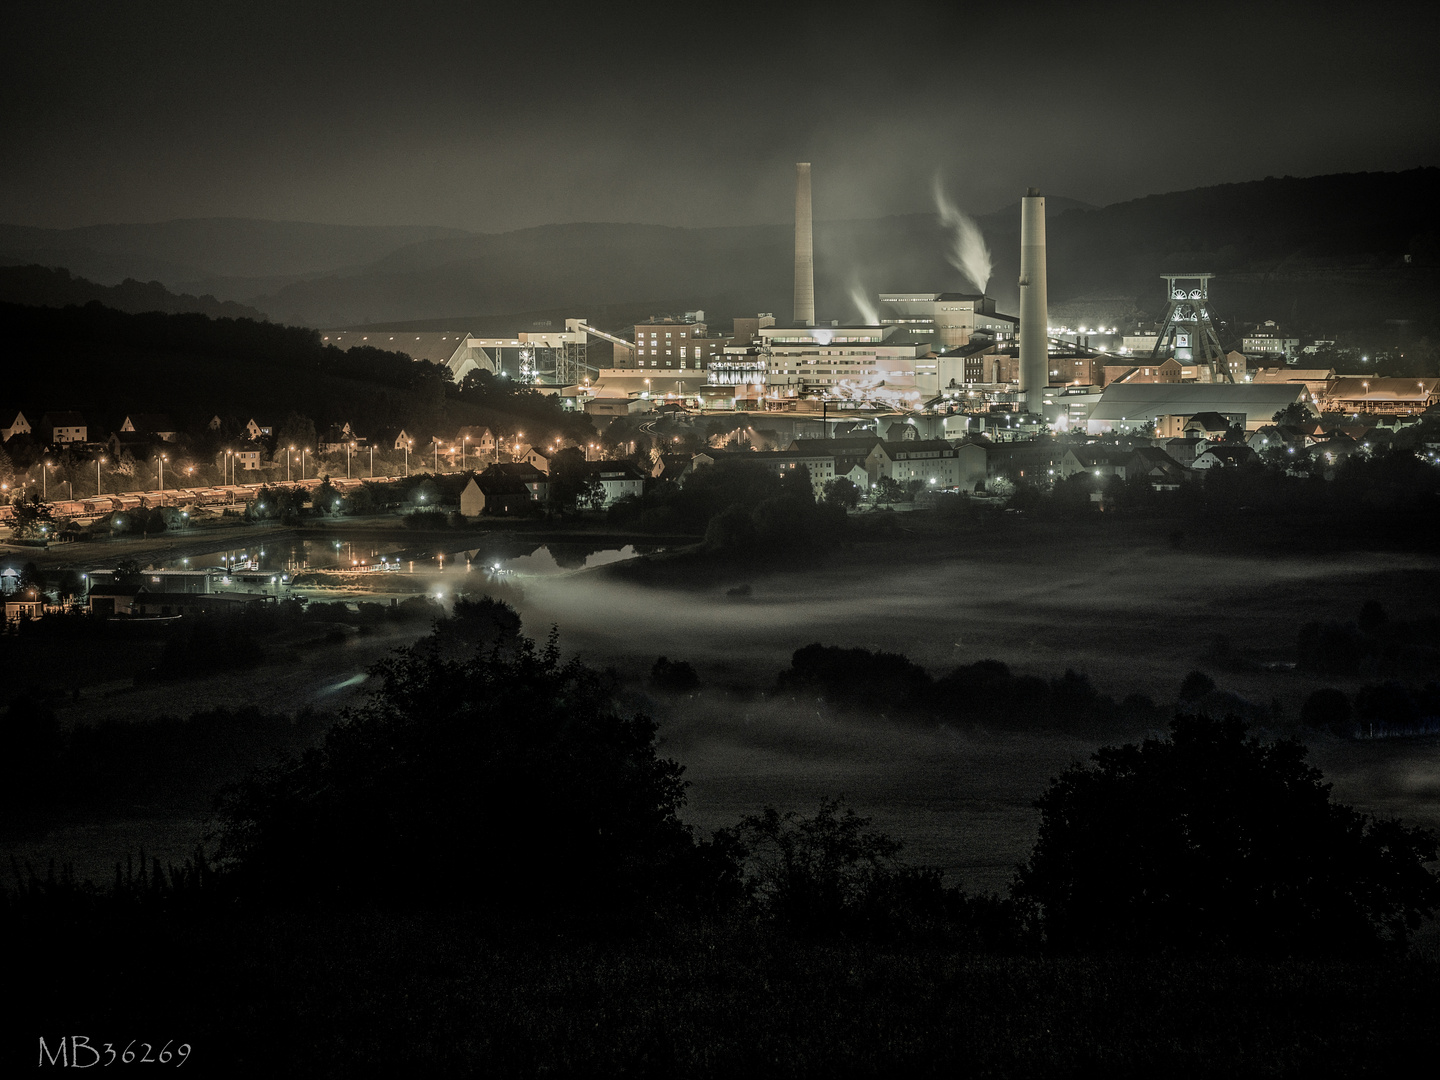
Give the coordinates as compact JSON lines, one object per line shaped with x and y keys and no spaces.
{"x":947,"y":354}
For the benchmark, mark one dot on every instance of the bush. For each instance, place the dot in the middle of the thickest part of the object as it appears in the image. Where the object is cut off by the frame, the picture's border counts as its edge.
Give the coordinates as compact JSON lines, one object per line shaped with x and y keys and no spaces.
{"x":1210,"y":839}
{"x":426,"y":519}
{"x":831,"y":874}
{"x":856,"y":677}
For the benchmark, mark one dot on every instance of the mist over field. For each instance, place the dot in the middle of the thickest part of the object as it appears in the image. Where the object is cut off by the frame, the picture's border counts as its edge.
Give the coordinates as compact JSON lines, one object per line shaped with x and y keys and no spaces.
{"x":1134,"y":620}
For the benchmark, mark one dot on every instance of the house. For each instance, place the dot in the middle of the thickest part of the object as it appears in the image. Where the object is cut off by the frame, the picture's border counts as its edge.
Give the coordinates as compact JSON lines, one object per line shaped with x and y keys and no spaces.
{"x":1224,"y":456}
{"x":1278,"y":437}
{"x":394,"y":439}
{"x":935,"y":463}
{"x":157,"y":424}
{"x":539,"y":459}
{"x":671,"y":466}
{"x":247,"y":460}
{"x":617,"y":478}
{"x":1210,"y":426}
{"x":1096,"y":460}
{"x":18,"y":426}
{"x":256,"y":430}
{"x":848,"y":451}
{"x":472,"y":499}
{"x":27,"y":603}
{"x":62,"y":427}
{"x":519,"y":472}
{"x":140,"y":447}
{"x":1163,"y":471}
{"x":335,"y":439}
{"x":1183,"y":451}
{"x":476,"y":439}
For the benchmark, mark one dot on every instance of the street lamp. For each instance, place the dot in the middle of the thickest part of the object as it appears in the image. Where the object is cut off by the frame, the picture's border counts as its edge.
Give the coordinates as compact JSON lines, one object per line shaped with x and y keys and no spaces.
{"x":45,"y":480}
{"x":437,"y":455}
{"x":464,"y":451}
{"x":408,"y":442}
{"x":98,"y":462}
{"x":288,"y":457}
{"x":303,"y":451}
{"x":372,"y":461}
{"x":348,"y":447}
{"x":161,"y":458}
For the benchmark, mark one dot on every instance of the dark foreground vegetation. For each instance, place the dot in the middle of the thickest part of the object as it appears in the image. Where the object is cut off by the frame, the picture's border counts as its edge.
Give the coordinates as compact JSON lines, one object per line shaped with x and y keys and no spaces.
{"x":483,"y":869}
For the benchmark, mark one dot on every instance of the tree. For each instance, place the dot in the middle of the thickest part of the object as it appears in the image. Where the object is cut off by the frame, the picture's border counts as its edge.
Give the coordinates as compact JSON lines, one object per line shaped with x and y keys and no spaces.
{"x":1293,"y":415}
{"x":796,"y":484}
{"x":297,"y":431}
{"x":325,"y":499}
{"x":507,"y":780}
{"x":1195,"y":686}
{"x":1210,"y":839}
{"x":842,"y":491}
{"x":32,"y":517}
{"x":674,"y":676}
{"x":888,"y":491}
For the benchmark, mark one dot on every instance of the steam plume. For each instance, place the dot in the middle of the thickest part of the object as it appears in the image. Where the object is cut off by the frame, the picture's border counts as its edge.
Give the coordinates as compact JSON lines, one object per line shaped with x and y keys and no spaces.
{"x":861,"y":300}
{"x":968,"y":252}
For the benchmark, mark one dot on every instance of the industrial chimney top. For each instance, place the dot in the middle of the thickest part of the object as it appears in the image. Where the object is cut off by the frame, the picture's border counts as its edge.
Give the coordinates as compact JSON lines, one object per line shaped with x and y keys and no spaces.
{"x":1032,"y":193}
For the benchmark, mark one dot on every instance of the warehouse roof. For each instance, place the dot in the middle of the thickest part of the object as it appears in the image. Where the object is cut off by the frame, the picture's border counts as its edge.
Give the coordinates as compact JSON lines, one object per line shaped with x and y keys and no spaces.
{"x":1139,"y":402}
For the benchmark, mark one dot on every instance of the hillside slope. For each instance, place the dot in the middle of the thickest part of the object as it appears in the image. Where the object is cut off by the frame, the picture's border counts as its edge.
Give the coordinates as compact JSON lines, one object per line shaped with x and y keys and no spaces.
{"x":40,"y":286}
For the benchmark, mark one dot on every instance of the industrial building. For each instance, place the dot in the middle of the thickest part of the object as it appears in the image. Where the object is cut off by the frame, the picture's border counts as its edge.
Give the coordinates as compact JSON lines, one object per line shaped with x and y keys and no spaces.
{"x":1127,"y":406}
{"x":1387,"y":397}
{"x":948,"y":319}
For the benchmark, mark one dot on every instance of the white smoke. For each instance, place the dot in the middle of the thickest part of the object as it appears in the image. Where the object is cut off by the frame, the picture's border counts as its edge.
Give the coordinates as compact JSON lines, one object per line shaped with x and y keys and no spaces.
{"x":868,"y":314}
{"x":968,"y":252}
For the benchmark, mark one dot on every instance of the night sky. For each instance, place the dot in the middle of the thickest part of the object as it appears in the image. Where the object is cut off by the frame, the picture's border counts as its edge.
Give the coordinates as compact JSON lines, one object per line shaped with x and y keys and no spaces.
{"x":490,"y":117}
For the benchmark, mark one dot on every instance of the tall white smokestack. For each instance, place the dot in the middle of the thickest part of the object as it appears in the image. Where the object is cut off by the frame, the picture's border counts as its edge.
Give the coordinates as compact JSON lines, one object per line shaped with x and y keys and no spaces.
{"x":1034,"y":316}
{"x":804,"y":249}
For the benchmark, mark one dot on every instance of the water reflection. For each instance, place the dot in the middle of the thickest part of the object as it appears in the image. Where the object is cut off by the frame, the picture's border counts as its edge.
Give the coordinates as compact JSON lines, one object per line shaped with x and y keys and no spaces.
{"x":502,"y":558}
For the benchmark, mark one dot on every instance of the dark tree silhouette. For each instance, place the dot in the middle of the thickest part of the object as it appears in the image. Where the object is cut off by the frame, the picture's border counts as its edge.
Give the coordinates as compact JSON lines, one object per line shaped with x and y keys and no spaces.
{"x":1210,"y":839}
{"x":505,"y":781}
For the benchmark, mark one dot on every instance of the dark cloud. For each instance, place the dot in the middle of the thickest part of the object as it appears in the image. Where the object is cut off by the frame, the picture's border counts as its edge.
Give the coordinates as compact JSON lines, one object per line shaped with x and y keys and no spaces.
{"x":493,"y":118}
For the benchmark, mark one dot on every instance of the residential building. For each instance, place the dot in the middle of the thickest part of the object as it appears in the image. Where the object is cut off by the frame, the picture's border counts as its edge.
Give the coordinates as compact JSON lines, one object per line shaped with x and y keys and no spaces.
{"x":1268,"y":339}
{"x":617,"y":478}
{"x":62,"y":427}
{"x":935,"y":463}
{"x":1224,"y":456}
{"x":17,"y":426}
{"x":157,"y":424}
{"x":532,"y":479}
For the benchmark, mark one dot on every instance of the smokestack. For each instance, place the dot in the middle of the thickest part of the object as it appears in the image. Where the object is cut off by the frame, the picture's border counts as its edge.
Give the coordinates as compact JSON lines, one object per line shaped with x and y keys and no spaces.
{"x":804,"y":249}
{"x":1034,"y":317}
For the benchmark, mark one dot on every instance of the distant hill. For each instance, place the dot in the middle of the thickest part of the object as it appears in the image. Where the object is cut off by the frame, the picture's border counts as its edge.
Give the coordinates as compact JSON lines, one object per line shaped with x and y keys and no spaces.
{"x":219,"y":255}
{"x":1326,"y":251}
{"x":40,"y":286}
